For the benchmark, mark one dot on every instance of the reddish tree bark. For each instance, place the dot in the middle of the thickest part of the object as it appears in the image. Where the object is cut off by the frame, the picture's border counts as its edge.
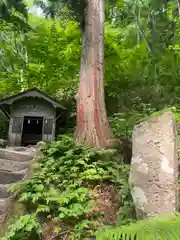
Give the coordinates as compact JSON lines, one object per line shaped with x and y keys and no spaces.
{"x":92,"y":124}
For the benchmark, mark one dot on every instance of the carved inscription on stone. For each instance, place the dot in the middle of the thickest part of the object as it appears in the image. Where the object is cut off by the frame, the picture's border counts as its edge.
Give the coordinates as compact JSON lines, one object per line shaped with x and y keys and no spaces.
{"x":154,"y":146}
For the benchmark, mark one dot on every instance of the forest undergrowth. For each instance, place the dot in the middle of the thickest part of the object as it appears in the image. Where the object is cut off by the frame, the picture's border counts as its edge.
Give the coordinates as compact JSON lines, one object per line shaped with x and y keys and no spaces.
{"x":74,"y":191}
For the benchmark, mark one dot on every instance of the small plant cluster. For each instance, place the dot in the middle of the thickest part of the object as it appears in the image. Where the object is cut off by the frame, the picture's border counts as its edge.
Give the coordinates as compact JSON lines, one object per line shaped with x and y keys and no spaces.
{"x":122,"y":123}
{"x":60,"y":190}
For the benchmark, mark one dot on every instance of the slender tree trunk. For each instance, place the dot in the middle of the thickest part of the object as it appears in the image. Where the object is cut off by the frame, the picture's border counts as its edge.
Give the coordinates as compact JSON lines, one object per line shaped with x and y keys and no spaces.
{"x":92,"y":124}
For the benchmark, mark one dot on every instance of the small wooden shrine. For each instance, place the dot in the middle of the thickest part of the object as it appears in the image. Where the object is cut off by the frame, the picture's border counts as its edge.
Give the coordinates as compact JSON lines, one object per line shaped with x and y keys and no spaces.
{"x":32,"y":117}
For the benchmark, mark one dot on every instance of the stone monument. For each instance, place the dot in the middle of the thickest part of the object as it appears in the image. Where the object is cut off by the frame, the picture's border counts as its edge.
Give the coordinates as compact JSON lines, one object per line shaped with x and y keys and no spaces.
{"x":153,"y":175}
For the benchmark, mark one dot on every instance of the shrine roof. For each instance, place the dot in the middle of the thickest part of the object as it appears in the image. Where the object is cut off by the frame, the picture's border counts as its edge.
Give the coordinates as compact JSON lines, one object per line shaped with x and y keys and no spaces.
{"x":34,"y":92}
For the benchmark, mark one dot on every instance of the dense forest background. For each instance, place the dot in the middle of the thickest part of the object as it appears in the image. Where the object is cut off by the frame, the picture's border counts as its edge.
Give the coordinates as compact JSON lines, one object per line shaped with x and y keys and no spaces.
{"x":141,"y":59}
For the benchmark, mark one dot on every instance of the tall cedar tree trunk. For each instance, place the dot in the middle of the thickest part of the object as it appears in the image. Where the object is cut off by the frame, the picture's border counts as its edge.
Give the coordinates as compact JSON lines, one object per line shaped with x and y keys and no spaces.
{"x":92,"y":124}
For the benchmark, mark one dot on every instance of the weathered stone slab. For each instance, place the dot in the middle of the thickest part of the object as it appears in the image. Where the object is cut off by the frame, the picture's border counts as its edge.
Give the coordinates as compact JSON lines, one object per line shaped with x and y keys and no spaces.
{"x":154,"y":166}
{"x":10,"y":177}
{"x":4,"y":206}
{"x":9,"y":154}
{"x":4,"y":193}
{"x":13,"y":166}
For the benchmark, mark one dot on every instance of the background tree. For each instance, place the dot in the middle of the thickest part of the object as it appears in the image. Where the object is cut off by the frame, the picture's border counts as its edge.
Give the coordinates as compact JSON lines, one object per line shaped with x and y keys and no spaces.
{"x":92,"y":124}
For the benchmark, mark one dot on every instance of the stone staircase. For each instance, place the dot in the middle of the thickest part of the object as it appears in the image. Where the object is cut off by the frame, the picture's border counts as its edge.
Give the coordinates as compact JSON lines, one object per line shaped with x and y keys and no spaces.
{"x":14,"y":163}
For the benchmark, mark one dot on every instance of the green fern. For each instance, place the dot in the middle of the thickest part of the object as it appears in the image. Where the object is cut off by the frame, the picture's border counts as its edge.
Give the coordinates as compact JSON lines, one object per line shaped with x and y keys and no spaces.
{"x":166,"y":227}
{"x":61,"y":184}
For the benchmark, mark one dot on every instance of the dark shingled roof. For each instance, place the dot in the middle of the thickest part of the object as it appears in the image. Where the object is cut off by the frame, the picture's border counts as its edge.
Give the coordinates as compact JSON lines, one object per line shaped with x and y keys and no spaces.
{"x":31,"y":93}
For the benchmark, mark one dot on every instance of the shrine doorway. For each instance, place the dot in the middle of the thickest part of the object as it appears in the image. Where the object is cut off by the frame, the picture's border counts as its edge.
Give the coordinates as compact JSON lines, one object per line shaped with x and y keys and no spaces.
{"x":32,"y":130}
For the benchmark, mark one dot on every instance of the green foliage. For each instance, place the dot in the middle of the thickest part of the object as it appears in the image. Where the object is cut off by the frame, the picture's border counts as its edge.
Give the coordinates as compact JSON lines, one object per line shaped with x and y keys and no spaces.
{"x":26,"y":227}
{"x":60,"y":185}
{"x":46,"y":58}
{"x":164,"y":227}
{"x":122,"y":123}
{"x":14,"y":12}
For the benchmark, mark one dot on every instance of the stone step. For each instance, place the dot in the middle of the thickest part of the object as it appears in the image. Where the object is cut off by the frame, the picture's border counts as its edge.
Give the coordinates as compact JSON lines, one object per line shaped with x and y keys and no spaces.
{"x":4,"y":206}
{"x":13,"y":166}
{"x":4,"y":193}
{"x":10,"y":177}
{"x":2,"y":218}
{"x":10,"y":209}
{"x":10,"y":154}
